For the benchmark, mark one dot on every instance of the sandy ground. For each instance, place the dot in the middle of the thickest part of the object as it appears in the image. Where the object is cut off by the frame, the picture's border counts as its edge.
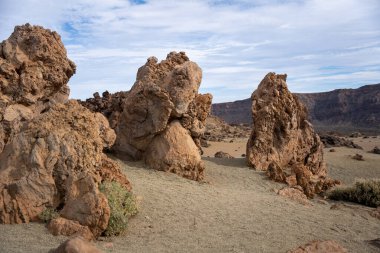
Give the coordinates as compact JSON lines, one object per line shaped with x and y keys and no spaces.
{"x":236,"y":210}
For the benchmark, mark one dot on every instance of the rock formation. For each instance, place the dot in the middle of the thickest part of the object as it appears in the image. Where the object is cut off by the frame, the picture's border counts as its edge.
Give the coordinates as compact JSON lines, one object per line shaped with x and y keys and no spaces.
{"x":164,"y":97}
{"x":329,"y":141}
{"x":76,"y":245}
{"x":342,"y":110}
{"x":51,"y":149}
{"x":283,"y":140}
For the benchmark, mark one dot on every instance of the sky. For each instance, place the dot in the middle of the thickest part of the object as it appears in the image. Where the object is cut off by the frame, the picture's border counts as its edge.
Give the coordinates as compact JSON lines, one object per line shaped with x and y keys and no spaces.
{"x":321,"y":44}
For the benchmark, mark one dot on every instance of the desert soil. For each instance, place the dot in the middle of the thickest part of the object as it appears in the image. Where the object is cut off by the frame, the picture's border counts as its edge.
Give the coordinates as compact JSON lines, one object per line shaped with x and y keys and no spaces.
{"x":235,"y":210}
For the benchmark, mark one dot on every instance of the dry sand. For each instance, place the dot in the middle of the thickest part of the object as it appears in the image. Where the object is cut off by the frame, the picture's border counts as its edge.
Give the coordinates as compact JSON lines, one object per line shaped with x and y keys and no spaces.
{"x":236,"y":210}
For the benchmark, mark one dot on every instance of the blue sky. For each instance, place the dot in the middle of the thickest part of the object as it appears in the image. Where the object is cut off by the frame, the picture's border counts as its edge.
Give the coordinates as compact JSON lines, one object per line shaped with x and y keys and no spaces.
{"x":321,"y":44}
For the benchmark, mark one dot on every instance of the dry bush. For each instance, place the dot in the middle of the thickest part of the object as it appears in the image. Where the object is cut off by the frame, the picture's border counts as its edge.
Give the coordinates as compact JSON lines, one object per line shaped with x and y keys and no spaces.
{"x":363,"y":192}
{"x":123,"y":205}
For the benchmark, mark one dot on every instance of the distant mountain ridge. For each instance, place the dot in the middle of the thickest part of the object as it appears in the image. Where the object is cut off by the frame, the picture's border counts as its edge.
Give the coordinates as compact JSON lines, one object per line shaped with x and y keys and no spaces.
{"x":342,"y":110}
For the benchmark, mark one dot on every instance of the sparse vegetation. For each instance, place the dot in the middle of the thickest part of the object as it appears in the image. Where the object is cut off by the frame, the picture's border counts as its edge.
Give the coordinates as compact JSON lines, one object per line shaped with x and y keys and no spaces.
{"x":48,"y":214}
{"x":123,"y":205}
{"x":363,"y":192}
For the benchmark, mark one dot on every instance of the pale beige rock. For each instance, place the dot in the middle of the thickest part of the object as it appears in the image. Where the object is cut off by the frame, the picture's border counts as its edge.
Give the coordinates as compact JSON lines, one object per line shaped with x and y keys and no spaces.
{"x":76,"y":245}
{"x":317,"y":246}
{"x":175,"y":151}
{"x":283,"y":137}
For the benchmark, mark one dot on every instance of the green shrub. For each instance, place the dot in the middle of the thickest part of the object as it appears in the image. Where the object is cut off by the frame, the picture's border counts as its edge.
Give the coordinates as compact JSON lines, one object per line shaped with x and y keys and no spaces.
{"x":363,"y":192}
{"x":48,"y":214}
{"x":122,"y":204}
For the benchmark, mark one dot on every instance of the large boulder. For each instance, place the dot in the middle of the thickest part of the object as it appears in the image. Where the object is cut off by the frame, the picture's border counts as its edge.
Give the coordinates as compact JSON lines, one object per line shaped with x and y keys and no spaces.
{"x":282,"y":139}
{"x":175,"y":151}
{"x":51,"y":149}
{"x":56,"y":161}
{"x":163,"y":93}
{"x":34,"y":71}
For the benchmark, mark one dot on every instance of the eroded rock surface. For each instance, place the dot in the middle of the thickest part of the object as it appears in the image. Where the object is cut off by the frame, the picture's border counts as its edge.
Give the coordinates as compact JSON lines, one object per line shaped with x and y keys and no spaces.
{"x":34,"y":71}
{"x":76,"y":245}
{"x":163,"y":93}
{"x":51,"y":149}
{"x":283,"y":139}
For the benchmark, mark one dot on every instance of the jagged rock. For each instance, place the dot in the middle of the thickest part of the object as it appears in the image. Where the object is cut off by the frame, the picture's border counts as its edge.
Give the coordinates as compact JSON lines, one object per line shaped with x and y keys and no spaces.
{"x":163,"y":93}
{"x":175,"y":151}
{"x":336,"y":141}
{"x":110,"y":105}
{"x":62,"y":226}
{"x":283,"y":137}
{"x":221,"y":154}
{"x":34,"y":71}
{"x":295,"y":194}
{"x":57,"y":161}
{"x":76,"y":245}
{"x":218,"y":130}
{"x":51,"y":149}
{"x":320,"y":247}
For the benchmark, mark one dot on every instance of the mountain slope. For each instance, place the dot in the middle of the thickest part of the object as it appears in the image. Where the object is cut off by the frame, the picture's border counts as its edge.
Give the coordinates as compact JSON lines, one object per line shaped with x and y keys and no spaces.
{"x":343,"y":110}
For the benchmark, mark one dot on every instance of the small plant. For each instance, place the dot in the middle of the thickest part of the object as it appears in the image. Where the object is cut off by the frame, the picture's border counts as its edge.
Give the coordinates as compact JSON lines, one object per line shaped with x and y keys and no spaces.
{"x":363,"y":192}
{"x":48,"y":214}
{"x":122,"y":204}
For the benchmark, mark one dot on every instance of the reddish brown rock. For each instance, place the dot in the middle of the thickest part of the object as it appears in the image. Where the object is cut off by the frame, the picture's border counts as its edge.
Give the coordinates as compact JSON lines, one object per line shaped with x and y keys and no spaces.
{"x":295,"y":194}
{"x":55,"y":162}
{"x":76,"y":245}
{"x":175,"y":151}
{"x":62,"y":226}
{"x":51,"y":149}
{"x":221,"y":154}
{"x":34,"y":71}
{"x":282,"y":140}
{"x":329,"y":246}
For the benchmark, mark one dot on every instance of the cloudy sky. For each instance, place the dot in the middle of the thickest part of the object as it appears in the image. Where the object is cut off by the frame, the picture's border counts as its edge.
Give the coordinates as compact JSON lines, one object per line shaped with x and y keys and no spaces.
{"x":321,"y":44}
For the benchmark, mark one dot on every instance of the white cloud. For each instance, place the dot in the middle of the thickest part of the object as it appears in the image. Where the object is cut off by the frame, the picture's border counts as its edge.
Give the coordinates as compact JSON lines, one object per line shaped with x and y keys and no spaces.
{"x":236,"y":42}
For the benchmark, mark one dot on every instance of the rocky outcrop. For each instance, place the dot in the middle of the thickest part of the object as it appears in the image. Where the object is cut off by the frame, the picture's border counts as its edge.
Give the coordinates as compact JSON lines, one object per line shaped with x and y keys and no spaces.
{"x":221,"y":154}
{"x":34,"y":71}
{"x":51,"y":149}
{"x":336,"y":141}
{"x":218,"y":130}
{"x":76,"y":245}
{"x":163,"y":93}
{"x":342,"y":110}
{"x":283,"y":139}
{"x":110,"y":105}
{"x":320,"y":247}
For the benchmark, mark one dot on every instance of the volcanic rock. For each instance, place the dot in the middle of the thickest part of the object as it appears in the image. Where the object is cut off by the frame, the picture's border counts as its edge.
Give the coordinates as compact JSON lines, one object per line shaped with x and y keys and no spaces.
{"x":294,"y":194}
{"x":51,"y":149}
{"x":175,"y":151}
{"x":163,"y":93}
{"x":62,"y":226}
{"x":221,"y":154}
{"x":320,"y":247}
{"x":283,"y":137}
{"x":336,"y":141}
{"x":34,"y":71}
{"x":76,"y":245}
